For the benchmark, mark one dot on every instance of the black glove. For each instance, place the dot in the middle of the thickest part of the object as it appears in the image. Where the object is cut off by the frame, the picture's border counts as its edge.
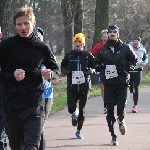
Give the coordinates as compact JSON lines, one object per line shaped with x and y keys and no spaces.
{"x":131,"y":68}
{"x":98,"y":67}
{"x":88,"y":72}
{"x":65,"y":71}
{"x":140,"y":69}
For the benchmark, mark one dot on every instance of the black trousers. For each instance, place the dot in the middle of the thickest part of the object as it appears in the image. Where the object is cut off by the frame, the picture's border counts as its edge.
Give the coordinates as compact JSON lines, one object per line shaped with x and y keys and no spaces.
{"x":135,"y":80}
{"x":24,"y":127}
{"x":115,"y":95}
{"x":3,"y":141}
{"x":72,"y":98}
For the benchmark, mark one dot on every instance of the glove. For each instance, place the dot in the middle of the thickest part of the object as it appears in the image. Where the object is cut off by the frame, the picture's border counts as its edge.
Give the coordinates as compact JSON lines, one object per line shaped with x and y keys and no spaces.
{"x":131,"y":68}
{"x":88,"y":72}
{"x":98,"y":67}
{"x":140,"y":69}
{"x":65,"y":71}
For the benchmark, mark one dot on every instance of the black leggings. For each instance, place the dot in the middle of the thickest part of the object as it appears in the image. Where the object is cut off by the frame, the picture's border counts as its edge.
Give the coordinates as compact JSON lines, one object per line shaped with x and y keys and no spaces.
{"x":135,"y":80}
{"x":72,"y":98}
{"x":24,"y":127}
{"x":115,"y":95}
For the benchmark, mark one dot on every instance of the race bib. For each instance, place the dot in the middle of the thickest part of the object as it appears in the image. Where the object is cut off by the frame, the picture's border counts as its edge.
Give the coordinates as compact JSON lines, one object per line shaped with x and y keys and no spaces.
{"x":110,"y":71}
{"x":78,"y":77}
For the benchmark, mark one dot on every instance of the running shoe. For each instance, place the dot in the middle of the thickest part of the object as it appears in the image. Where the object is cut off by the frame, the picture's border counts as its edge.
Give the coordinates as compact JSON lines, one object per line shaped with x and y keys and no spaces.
{"x":79,"y":134}
{"x":75,"y":117}
{"x":134,"y":109}
{"x":122,"y":127}
{"x":105,"y":111}
{"x":114,"y":141}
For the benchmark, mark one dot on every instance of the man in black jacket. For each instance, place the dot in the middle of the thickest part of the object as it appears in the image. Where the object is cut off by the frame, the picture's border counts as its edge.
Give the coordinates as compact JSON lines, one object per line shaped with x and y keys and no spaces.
{"x":22,"y":86}
{"x":77,"y":65}
{"x":116,"y":58}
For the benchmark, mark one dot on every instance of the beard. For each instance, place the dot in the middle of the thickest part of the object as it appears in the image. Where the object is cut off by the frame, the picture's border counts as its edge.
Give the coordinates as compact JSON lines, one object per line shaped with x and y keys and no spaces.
{"x":111,"y":42}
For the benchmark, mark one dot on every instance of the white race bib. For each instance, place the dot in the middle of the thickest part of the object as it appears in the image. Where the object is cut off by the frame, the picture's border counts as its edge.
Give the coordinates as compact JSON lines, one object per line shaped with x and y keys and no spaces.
{"x":78,"y":77}
{"x":110,"y":71}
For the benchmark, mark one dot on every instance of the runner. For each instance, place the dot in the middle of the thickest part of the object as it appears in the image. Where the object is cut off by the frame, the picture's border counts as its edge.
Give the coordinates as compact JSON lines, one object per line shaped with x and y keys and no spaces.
{"x":116,"y":58}
{"x":77,"y":64}
{"x":104,"y":37}
{"x":21,"y":57}
{"x":136,"y":74}
{"x":48,"y":93}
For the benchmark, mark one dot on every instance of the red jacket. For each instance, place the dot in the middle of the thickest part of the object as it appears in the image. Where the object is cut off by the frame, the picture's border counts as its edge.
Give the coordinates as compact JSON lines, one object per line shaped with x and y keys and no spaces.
{"x":96,"y":47}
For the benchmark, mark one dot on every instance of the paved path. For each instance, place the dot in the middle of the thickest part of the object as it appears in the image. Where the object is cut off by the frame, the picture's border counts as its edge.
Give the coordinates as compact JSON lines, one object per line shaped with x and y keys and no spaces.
{"x":60,"y":135}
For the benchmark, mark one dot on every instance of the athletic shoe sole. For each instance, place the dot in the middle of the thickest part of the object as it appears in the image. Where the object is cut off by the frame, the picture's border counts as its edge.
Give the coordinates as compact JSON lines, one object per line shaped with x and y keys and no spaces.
{"x":134,"y":111}
{"x":79,"y":137}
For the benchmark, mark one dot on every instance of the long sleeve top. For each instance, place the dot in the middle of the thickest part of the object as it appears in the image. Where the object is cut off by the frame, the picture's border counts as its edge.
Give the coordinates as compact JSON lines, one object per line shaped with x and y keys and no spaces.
{"x":77,"y":61}
{"x":96,"y":47}
{"x":142,"y":57}
{"x":27,"y":54}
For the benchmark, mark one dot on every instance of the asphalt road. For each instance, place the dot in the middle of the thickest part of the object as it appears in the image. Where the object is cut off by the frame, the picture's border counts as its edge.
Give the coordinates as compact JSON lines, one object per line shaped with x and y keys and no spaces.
{"x":60,"y":134}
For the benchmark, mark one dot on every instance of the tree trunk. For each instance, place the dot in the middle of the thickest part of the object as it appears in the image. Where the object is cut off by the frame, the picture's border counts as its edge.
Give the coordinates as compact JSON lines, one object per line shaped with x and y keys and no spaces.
{"x":5,"y":18}
{"x":72,"y":20}
{"x":101,"y":18}
{"x":68,"y":20}
{"x":78,"y":18}
{"x":101,"y":23}
{"x":1,"y":12}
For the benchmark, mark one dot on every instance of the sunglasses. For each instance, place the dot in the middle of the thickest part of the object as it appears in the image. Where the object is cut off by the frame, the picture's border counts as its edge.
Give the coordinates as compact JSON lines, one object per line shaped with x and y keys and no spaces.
{"x":113,"y":31}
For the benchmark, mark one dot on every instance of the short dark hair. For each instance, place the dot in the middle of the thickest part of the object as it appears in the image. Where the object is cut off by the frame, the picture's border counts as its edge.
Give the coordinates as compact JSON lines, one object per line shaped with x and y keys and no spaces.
{"x":137,"y":38}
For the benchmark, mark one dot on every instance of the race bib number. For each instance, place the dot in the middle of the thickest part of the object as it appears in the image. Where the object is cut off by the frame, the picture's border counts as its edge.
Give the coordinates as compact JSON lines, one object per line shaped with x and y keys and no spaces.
{"x":78,"y":77}
{"x":110,"y":71}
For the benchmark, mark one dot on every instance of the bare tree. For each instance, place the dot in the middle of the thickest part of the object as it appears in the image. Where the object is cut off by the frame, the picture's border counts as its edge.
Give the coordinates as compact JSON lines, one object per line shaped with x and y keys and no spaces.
{"x":78,"y":17}
{"x":5,"y":17}
{"x":68,"y":22}
{"x":72,"y":20}
{"x":1,"y":12}
{"x":101,"y":18}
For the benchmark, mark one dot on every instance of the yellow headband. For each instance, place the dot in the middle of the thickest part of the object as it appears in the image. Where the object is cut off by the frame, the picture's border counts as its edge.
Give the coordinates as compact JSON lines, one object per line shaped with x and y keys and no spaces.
{"x":80,"y":37}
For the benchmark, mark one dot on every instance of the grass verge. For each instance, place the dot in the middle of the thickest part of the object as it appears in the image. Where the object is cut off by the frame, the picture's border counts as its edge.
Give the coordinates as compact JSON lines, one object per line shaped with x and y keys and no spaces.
{"x":145,"y":81}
